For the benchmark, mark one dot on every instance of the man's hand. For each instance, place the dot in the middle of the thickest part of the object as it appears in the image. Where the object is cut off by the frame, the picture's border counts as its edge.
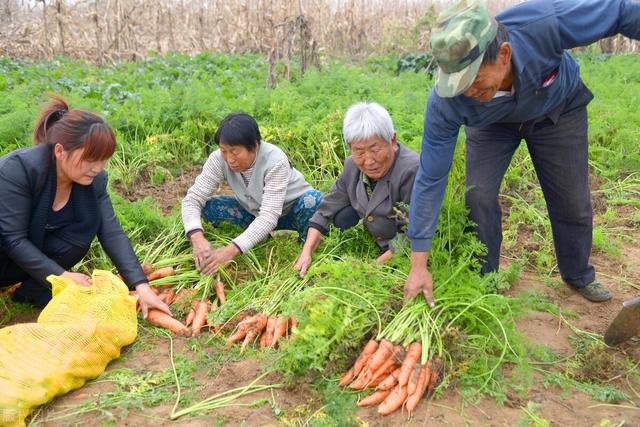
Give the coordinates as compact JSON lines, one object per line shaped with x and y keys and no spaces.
{"x":219,"y":257}
{"x":148,"y":300}
{"x":79,"y":278}
{"x":384,"y":257}
{"x":303,"y":263}
{"x":202,"y":250}
{"x":419,"y":279}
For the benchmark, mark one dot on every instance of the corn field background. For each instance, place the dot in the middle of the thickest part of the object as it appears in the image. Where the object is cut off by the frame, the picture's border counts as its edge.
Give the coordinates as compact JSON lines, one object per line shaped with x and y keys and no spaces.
{"x":105,"y":31}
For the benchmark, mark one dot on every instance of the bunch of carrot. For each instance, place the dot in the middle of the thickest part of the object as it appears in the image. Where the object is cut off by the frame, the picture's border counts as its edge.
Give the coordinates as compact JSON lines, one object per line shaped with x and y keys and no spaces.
{"x":397,"y":373}
{"x":197,"y":314}
{"x":154,"y":274}
{"x":272,"y":329}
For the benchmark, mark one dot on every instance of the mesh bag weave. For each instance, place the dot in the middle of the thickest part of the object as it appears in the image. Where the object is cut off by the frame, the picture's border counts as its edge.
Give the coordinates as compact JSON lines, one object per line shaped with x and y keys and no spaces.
{"x":77,"y":334}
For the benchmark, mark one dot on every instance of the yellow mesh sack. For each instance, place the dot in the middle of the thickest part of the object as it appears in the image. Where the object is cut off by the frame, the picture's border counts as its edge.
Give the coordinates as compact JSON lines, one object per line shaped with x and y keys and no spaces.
{"x":77,"y":334}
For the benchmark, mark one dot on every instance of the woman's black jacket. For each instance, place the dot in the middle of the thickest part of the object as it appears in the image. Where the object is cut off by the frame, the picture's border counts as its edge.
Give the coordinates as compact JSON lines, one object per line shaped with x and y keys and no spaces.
{"x":27,"y":191}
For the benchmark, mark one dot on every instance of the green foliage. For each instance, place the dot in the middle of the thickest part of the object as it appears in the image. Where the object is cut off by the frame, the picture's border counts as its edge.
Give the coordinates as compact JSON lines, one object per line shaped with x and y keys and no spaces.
{"x":418,"y":62}
{"x":595,"y":391}
{"x":165,"y":111}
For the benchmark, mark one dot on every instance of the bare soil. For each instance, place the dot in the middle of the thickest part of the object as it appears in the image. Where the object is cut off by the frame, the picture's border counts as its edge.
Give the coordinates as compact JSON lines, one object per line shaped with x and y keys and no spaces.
{"x":560,"y":408}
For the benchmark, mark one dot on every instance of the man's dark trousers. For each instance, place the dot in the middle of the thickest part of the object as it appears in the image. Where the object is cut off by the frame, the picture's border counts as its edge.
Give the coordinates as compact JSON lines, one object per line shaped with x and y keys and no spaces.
{"x":558,"y":146}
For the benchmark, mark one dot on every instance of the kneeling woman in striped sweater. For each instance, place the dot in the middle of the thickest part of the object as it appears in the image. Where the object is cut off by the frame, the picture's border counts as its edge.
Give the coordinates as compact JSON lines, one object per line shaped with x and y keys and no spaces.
{"x":268,"y":193}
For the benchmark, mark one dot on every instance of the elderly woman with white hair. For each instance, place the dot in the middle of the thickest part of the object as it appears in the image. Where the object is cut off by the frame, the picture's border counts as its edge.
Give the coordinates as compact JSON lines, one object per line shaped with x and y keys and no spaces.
{"x":375,"y":183}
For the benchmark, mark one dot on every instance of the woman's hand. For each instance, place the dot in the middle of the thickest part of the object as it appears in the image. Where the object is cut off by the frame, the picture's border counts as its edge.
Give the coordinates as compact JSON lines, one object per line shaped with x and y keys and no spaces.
{"x":303,"y":263}
{"x":219,"y":257}
{"x":148,"y":300}
{"x":79,"y":278}
{"x":202,"y":250}
{"x":304,"y":260}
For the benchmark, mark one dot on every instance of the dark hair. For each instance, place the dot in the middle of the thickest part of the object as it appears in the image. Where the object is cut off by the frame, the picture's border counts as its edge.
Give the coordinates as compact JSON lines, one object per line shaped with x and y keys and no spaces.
{"x":74,"y":129}
{"x":491,"y":53}
{"x":238,"y":129}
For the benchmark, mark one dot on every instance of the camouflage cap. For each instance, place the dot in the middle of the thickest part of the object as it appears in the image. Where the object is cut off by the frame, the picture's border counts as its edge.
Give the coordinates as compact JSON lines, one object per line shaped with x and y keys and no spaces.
{"x":458,"y":43}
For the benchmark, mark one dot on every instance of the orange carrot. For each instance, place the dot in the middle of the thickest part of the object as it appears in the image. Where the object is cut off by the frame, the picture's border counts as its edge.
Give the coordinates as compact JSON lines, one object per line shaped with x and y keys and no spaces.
{"x":434,"y":380}
{"x":413,"y":354}
{"x":263,"y":339}
{"x":171,"y":295}
{"x":237,"y":336}
{"x":381,"y":355}
{"x":268,"y":333}
{"x":394,"y":400}
{"x":412,"y":385}
{"x":219,"y":288}
{"x":242,"y":328}
{"x":385,"y":369}
{"x":368,"y":350}
{"x":163,"y":296}
{"x":370,"y":378}
{"x":191,"y":315}
{"x":200,"y":318}
{"x":362,"y":380}
{"x":423,"y":381}
{"x":184,"y":296}
{"x":155,"y":290}
{"x":162,"y":319}
{"x":375,"y":397}
{"x":254,"y":330}
{"x":160,"y":273}
{"x":346,"y":379}
{"x":390,"y":381}
{"x":280,"y":330}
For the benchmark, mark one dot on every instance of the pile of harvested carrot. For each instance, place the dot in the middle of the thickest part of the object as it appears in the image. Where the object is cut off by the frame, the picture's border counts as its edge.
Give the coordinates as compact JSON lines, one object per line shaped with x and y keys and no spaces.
{"x":272,"y":329}
{"x":197,"y":315}
{"x":401,"y":380}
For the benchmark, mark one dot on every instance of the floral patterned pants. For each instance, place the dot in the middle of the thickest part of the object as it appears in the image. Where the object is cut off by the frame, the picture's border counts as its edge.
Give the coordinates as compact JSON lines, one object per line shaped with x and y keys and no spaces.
{"x":220,"y":209}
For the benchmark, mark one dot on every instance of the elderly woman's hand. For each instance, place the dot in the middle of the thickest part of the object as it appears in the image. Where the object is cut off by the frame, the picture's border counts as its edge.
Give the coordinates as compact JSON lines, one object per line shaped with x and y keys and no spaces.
{"x":303,"y":263}
{"x":148,"y":300}
{"x":219,"y":257}
{"x":202,"y":250}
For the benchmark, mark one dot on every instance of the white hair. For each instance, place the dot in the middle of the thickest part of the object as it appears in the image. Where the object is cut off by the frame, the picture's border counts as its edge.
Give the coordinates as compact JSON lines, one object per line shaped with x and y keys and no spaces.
{"x":366,"y":120}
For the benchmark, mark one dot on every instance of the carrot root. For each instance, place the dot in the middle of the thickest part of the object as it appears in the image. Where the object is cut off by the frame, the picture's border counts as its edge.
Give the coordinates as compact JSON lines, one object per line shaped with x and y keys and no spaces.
{"x":219,"y":288}
{"x":394,"y":400}
{"x":162,"y":319}
{"x":373,"y":398}
{"x":200,"y":318}
{"x":160,"y":273}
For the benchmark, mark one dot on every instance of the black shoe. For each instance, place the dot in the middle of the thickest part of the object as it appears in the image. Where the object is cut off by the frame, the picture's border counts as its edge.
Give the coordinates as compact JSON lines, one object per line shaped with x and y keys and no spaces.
{"x":595,"y":292}
{"x":39,"y":296}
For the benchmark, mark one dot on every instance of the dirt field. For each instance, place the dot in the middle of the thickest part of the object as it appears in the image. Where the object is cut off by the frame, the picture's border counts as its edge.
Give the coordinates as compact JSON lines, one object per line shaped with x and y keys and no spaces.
{"x":560,"y":407}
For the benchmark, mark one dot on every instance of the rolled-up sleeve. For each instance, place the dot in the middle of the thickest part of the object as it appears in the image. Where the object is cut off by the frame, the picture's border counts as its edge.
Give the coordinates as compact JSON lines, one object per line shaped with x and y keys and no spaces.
{"x":197,"y":196}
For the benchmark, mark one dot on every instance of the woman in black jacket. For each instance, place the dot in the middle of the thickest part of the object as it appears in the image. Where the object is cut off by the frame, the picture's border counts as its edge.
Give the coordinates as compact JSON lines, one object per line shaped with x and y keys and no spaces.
{"x":54,"y":202}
